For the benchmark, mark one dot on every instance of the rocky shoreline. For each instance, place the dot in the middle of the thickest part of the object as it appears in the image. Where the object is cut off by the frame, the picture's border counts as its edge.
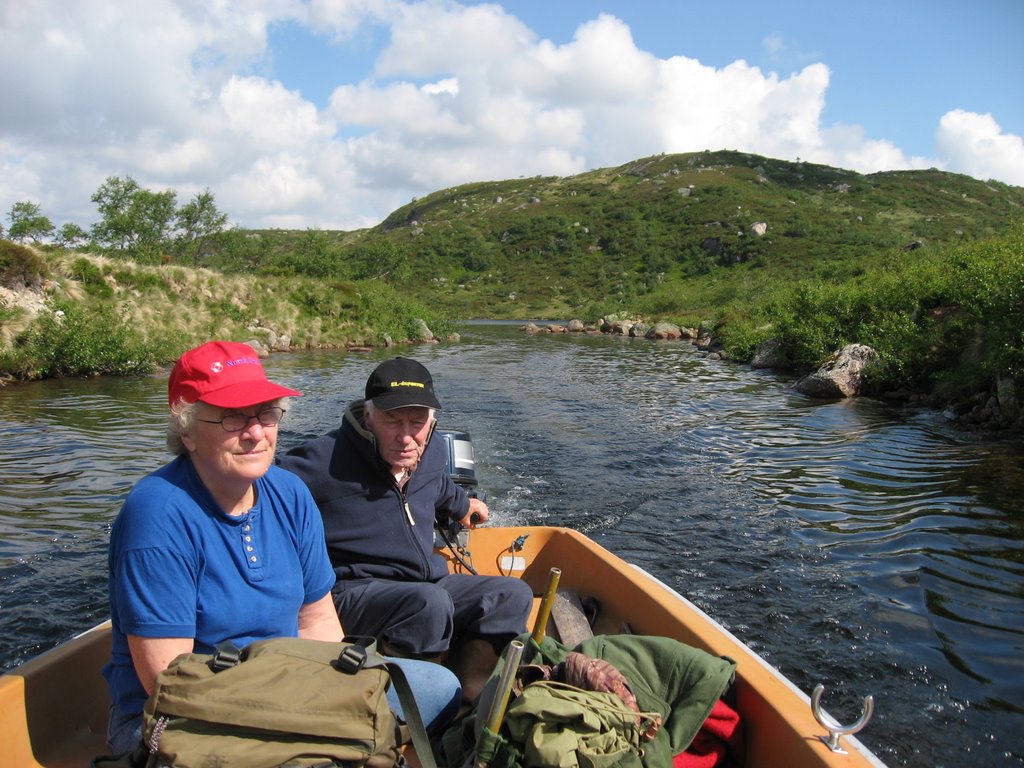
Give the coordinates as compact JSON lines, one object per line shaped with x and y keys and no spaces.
{"x":997,"y":412}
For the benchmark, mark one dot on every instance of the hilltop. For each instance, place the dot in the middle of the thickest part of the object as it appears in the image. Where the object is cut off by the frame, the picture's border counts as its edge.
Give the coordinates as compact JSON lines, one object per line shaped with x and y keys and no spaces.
{"x":623,"y":237}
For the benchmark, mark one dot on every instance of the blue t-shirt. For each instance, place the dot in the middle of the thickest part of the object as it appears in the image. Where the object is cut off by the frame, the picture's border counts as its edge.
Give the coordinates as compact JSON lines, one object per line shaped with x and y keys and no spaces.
{"x":180,"y":567}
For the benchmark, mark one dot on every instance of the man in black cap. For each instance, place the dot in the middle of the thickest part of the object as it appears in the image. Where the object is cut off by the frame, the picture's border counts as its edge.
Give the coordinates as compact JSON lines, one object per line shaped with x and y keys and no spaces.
{"x":380,"y":483}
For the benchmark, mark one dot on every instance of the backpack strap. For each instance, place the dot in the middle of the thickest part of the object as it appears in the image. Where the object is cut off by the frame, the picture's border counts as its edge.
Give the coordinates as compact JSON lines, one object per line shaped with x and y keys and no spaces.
{"x":363,"y":653}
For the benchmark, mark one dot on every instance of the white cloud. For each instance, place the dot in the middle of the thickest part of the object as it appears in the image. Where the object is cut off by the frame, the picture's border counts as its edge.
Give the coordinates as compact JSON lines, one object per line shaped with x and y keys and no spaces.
{"x":434,"y":39}
{"x":600,"y":66}
{"x":447,"y":85}
{"x":178,"y":94}
{"x":343,"y":19}
{"x":103,"y":69}
{"x":274,"y":183}
{"x":975,"y":144}
{"x":773,"y":44}
{"x":270,"y":118}
{"x":846,"y":146}
{"x":401,"y":107}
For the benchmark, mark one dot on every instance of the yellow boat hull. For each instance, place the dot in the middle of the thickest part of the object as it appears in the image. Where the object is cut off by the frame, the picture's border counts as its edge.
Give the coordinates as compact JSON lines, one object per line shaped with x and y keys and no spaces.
{"x":53,"y":709}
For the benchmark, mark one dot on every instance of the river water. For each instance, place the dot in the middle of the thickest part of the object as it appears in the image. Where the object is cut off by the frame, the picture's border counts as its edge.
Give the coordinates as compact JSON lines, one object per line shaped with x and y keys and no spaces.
{"x":871,"y":549}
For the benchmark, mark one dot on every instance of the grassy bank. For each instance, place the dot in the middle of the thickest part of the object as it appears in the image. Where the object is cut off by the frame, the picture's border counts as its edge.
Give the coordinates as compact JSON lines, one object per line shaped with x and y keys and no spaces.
{"x":948,"y":324}
{"x":70,"y":314}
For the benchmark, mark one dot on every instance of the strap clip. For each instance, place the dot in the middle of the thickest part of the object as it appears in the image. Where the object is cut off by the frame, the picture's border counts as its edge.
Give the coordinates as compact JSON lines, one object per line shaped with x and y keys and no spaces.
{"x":225,"y":656}
{"x":352,"y":659}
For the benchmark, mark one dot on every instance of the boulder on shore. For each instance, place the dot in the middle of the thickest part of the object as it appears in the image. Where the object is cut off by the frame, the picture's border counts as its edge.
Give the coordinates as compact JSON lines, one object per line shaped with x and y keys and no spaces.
{"x":421,"y":332}
{"x":842,"y":375}
{"x":616,"y":327}
{"x":769,"y":354}
{"x":664,"y":331}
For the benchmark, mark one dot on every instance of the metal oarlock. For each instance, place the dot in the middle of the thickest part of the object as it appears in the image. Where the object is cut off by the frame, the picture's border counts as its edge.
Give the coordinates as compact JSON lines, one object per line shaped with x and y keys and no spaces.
{"x":835,"y":730}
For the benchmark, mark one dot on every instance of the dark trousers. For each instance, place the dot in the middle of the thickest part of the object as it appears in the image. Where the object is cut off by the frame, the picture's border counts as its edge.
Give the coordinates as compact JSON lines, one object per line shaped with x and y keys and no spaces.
{"x":420,"y":619}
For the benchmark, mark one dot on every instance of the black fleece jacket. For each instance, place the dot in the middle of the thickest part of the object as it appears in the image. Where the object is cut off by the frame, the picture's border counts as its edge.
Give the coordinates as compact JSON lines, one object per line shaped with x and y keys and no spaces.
{"x":374,"y":529}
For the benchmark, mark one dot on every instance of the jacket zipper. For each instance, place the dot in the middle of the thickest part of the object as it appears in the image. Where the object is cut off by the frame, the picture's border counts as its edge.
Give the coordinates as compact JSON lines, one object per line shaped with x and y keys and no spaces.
{"x":424,"y":561}
{"x":408,"y":512}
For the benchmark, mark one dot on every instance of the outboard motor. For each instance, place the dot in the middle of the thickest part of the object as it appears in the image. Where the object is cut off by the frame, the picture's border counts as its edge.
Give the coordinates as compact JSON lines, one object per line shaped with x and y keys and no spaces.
{"x":462,"y":468}
{"x":461,"y":459}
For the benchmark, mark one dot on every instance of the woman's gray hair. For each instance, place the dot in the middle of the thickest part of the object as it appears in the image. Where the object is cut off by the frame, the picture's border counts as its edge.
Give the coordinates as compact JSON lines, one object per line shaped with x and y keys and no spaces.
{"x":182,"y":420}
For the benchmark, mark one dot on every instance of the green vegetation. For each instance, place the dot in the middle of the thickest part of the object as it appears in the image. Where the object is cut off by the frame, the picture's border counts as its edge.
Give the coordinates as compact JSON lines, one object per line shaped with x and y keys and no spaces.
{"x":28,"y":223}
{"x":925,"y":266}
{"x":146,"y":226}
{"x":20,"y":265}
{"x":75,"y":339}
{"x":675,"y":233}
{"x":950,"y":321}
{"x":115,"y":317}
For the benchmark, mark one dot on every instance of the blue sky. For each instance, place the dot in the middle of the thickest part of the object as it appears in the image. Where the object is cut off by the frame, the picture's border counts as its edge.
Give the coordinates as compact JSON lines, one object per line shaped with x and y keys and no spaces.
{"x":331,"y":113}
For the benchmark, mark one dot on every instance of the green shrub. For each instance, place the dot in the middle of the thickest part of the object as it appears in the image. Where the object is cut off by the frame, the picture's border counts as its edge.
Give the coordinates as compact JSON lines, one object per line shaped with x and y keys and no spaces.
{"x":141,"y":279}
{"x":230,"y":310}
{"x":988,"y":280}
{"x":740,"y":335}
{"x":382,"y":309}
{"x":21,"y":266}
{"x":955,"y":317}
{"x":91,"y":278}
{"x":76,"y":340}
{"x":7,"y":314}
{"x":332,"y":300}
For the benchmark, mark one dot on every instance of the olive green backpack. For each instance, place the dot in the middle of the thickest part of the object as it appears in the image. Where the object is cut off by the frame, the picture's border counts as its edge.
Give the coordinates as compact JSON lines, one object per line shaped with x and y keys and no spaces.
{"x":280,"y":702}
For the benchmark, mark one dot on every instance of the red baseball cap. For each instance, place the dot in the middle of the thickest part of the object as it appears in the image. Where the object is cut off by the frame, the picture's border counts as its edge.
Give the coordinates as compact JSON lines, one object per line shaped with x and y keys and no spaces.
{"x":225,"y":374}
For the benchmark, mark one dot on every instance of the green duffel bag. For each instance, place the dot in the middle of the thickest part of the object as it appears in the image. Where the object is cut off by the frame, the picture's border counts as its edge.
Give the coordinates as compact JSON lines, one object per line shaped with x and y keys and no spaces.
{"x":279,"y":702}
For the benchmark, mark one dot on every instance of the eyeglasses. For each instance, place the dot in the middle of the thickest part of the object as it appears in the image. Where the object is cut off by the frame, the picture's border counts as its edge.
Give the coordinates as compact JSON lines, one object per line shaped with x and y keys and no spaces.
{"x":236,"y":422}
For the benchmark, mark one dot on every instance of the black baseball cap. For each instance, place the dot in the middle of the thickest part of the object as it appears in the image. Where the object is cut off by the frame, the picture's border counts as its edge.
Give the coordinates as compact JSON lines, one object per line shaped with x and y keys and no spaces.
{"x":399,"y":383}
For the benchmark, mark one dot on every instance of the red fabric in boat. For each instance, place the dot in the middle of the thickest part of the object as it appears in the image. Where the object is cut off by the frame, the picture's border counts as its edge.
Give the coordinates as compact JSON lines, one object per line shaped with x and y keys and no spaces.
{"x":718,"y":744}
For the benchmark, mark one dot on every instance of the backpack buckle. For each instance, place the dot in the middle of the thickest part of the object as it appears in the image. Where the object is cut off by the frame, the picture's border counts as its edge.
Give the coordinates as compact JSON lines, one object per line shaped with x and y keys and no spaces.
{"x":352,"y":659}
{"x":225,"y":656}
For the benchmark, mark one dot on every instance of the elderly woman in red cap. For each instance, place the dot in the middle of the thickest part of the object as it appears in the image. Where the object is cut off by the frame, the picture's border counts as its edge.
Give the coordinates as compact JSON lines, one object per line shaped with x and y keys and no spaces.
{"x":221,"y":545}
